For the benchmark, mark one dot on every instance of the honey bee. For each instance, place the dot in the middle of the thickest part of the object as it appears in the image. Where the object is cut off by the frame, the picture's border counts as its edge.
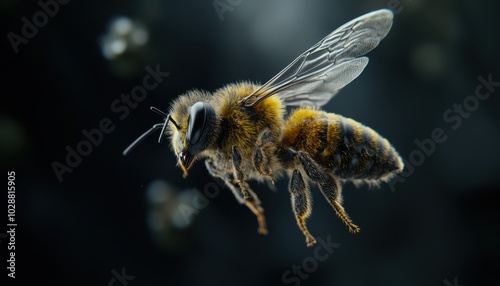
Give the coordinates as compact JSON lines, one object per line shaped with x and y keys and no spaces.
{"x":243,"y":133}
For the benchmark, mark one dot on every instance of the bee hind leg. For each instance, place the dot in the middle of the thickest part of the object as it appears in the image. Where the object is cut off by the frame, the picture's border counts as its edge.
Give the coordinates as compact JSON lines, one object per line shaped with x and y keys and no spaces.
{"x":329,"y":187}
{"x":260,"y":155}
{"x":301,"y":204}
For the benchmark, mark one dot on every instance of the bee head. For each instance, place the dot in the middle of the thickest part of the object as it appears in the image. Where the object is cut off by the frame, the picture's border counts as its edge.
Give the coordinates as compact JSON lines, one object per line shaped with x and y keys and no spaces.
{"x":201,"y":124}
{"x":195,"y":126}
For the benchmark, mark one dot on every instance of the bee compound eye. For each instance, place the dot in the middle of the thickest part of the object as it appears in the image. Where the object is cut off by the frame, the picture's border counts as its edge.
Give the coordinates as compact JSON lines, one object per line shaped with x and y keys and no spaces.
{"x":197,"y":122}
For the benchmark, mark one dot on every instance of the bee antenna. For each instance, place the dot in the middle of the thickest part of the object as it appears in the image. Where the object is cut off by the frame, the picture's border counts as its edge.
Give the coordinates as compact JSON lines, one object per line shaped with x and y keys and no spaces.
{"x":167,"y":119}
{"x":154,"y":109}
{"x":163,"y":127}
{"x":142,"y":137}
{"x":167,"y":116}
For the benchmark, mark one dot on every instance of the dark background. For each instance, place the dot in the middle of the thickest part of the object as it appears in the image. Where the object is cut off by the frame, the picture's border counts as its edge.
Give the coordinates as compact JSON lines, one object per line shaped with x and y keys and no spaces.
{"x":113,"y":212}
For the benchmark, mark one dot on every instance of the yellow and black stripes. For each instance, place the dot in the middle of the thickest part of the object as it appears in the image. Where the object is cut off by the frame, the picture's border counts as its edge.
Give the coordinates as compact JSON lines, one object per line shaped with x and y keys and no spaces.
{"x":347,"y":148}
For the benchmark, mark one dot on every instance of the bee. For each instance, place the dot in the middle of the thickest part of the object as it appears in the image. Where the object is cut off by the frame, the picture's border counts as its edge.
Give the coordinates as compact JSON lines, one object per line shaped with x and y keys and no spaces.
{"x":243,"y":133}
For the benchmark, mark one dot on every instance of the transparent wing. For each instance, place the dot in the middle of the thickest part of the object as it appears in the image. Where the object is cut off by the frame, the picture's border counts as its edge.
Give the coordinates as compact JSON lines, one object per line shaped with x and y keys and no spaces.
{"x":320,"y":72}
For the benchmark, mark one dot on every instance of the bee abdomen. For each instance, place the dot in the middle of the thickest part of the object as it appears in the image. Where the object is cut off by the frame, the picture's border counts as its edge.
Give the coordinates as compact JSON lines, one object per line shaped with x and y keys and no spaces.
{"x":358,"y":152}
{"x":347,"y":148}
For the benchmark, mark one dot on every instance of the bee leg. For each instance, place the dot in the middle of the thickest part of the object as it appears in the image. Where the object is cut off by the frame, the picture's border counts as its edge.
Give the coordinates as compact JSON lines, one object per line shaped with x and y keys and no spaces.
{"x":238,"y":173}
{"x":301,"y":204}
{"x":254,"y":206}
{"x":224,"y":175}
{"x":250,"y":198}
{"x":213,"y":170}
{"x":329,"y":186}
{"x":332,"y":193}
{"x":260,"y":157}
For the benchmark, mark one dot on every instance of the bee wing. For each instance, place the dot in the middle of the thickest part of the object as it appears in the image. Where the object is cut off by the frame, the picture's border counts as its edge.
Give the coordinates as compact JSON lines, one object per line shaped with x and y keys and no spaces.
{"x":320,"y":72}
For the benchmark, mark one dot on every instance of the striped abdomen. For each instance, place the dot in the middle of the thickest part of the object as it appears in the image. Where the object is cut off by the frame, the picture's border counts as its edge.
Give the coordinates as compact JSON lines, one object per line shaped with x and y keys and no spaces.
{"x":348,"y":148}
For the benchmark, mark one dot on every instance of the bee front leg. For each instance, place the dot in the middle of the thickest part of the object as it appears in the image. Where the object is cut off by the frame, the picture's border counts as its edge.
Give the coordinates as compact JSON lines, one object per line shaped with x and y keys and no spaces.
{"x":329,"y":186}
{"x":226,"y":177}
{"x":260,"y":155}
{"x":253,"y":203}
{"x":215,"y":171}
{"x":238,"y":173}
{"x":254,"y":206}
{"x":250,"y":198}
{"x":301,"y":203}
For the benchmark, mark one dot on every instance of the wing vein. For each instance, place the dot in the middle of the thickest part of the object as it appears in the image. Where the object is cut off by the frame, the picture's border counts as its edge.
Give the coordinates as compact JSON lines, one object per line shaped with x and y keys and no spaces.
{"x":315,"y":76}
